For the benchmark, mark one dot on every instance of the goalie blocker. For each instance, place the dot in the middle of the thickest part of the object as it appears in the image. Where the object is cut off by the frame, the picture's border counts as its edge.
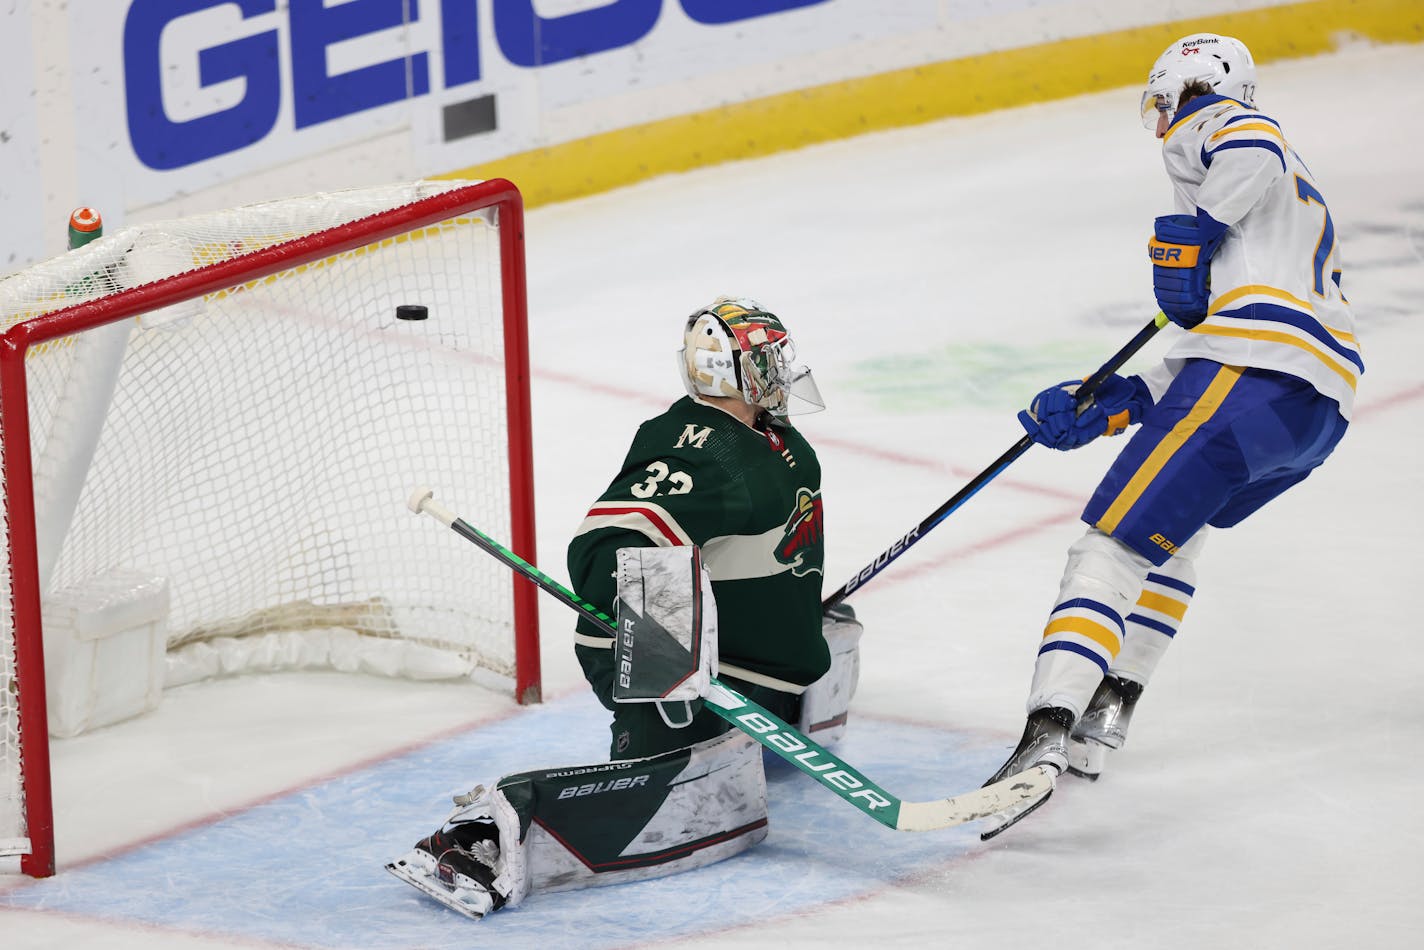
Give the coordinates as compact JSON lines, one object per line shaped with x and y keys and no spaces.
{"x":631,"y":819}
{"x":666,"y":648}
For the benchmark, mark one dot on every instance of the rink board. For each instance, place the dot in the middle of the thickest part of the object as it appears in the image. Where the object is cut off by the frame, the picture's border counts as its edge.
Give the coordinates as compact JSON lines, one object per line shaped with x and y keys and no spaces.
{"x":306,"y":868}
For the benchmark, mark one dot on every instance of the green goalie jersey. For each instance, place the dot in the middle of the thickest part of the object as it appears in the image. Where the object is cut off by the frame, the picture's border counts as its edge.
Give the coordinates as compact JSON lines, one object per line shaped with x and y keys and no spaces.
{"x":751,"y":499}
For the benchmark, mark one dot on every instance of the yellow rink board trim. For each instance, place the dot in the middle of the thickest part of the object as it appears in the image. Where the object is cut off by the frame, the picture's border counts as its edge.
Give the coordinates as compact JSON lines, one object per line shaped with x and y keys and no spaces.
{"x":920,"y":94}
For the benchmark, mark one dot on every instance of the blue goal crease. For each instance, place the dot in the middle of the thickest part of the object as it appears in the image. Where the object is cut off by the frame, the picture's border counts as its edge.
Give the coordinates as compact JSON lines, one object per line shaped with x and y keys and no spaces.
{"x":307,"y":868}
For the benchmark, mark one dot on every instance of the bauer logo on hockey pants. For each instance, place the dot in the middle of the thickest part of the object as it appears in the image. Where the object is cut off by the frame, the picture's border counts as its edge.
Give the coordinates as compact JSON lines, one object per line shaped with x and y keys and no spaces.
{"x":817,"y":761}
{"x":1163,"y":543}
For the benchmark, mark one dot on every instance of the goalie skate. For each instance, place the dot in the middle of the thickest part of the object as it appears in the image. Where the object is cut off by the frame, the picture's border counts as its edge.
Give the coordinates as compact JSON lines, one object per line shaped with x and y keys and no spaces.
{"x":458,"y":865}
{"x":459,"y":893}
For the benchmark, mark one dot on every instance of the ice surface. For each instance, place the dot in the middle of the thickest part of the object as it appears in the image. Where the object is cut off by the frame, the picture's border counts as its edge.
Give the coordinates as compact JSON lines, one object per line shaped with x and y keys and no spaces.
{"x":935,"y":277}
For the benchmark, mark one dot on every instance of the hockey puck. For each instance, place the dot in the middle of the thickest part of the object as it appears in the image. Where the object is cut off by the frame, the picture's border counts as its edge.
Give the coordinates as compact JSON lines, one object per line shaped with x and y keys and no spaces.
{"x":411,"y":311}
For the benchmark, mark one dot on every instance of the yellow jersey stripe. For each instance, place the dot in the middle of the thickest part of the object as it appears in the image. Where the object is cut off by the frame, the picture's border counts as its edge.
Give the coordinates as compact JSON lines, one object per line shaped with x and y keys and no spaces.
{"x":1342,"y":336}
{"x":1261,"y":290}
{"x":1257,"y":290}
{"x":1348,"y":374}
{"x":1104,"y":636}
{"x":1163,"y":605}
{"x":1180,"y":120}
{"x":1204,"y":409}
{"x":1266,"y":127}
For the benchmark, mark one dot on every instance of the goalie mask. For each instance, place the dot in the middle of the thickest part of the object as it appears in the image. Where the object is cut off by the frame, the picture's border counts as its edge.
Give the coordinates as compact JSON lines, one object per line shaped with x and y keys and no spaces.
{"x":1222,"y":62}
{"x":734,"y":348}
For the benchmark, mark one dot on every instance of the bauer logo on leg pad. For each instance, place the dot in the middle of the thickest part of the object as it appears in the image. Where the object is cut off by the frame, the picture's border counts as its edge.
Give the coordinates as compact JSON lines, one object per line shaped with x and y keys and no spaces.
{"x":1172,"y":255}
{"x":597,"y":788}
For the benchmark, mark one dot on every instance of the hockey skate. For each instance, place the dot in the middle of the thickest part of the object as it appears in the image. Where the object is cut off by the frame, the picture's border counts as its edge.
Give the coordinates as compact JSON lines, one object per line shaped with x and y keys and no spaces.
{"x":1102,"y":727}
{"x":459,"y":864}
{"x":1044,"y":742}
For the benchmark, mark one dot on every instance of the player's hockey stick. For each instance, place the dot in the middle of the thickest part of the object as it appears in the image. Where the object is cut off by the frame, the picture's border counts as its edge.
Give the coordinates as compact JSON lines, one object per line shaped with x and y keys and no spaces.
{"x":1085,"y":392}
{"x":780,"y":737}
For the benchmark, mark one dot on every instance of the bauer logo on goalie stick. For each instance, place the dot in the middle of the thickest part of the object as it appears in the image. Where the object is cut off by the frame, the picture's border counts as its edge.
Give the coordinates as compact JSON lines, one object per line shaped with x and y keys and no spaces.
{"x":829,"y":770}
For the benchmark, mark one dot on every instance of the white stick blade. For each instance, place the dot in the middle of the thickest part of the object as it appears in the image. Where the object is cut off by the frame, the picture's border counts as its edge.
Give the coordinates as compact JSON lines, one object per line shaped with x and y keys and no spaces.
{"x":980,"y":803}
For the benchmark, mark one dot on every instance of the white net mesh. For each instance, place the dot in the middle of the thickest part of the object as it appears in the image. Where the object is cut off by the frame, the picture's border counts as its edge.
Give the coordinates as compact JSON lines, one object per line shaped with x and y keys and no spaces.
{"x":260,"y":442}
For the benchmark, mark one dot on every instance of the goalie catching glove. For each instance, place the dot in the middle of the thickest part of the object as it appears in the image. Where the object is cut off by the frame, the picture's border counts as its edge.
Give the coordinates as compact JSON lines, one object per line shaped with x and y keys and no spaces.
{"x":1056,"y":420}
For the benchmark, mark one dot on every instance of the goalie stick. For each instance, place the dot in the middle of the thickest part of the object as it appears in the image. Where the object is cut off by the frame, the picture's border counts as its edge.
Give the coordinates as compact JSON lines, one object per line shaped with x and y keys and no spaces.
{"x":780,"y":737}
{"x":903,"y":544}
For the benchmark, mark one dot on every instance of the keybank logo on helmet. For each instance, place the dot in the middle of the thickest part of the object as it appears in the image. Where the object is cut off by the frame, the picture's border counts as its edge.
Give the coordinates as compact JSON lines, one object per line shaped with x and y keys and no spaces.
{"x":240,"y":48}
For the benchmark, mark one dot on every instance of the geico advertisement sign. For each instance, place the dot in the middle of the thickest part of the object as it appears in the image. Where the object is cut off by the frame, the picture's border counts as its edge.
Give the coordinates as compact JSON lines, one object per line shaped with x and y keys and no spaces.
{"x":207,"y":79}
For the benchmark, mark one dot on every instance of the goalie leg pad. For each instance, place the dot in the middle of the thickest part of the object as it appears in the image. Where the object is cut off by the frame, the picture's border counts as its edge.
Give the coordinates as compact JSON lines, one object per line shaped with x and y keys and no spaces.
{"x":637,"y":819}
{"x":586,"y":826}
{"x":825,"y":705}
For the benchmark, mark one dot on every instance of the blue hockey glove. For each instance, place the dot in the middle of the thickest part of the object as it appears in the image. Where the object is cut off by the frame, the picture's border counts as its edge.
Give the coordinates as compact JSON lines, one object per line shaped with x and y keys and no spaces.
{"x":1181,"y":250}
{"x":1055,"y":421}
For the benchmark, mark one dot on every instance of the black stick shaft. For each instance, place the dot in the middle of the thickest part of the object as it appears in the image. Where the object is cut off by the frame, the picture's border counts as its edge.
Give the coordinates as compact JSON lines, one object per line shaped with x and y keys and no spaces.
{"x":904,"y":543}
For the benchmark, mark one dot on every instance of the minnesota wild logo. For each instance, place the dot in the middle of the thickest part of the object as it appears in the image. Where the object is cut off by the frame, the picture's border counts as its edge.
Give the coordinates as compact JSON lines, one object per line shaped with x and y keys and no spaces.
{"x":800,"y":546}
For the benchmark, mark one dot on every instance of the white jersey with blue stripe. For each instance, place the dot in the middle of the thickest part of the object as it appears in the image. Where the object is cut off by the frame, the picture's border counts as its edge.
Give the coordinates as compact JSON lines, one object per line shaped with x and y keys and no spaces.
{"x":1276,"y":301}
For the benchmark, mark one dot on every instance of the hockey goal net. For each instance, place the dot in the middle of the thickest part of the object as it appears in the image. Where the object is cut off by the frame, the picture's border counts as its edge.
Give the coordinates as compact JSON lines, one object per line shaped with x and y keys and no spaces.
{"x":228,"y":406}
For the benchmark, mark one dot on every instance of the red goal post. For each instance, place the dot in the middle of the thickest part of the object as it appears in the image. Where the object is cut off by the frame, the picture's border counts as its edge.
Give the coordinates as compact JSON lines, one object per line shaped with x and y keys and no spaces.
{"x":266,"y":416}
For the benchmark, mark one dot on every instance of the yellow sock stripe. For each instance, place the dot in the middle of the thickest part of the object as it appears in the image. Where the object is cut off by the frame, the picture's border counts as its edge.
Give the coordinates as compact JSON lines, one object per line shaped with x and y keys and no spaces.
{"x":1204,"y":409}
{"x":1104,"y":636}
{"x":1163,"y":605}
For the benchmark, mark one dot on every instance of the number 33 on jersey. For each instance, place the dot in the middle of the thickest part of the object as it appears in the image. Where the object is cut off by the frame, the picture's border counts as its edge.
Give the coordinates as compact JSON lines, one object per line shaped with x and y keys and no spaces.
{"x":687,"y":479}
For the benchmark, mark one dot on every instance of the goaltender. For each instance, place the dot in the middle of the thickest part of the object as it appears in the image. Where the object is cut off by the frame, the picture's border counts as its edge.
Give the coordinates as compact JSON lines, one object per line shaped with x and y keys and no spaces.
{"x":718,"y":503}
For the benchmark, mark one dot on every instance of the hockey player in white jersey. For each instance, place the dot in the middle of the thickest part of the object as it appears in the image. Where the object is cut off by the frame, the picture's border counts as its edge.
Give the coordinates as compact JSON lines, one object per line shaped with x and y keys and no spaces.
{"x":1255,"y":393}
